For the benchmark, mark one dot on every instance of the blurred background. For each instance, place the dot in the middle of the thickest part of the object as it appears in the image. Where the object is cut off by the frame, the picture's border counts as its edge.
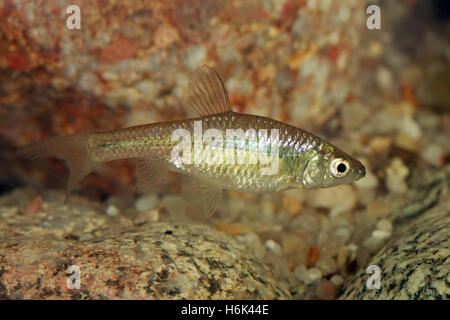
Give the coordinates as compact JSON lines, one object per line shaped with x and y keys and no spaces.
{"x":381,"y":95}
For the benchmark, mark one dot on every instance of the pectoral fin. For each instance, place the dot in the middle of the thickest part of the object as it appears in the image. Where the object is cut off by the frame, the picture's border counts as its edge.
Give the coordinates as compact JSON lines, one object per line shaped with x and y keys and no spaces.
{"x":210,"y":198}
{"x":210,"y":195}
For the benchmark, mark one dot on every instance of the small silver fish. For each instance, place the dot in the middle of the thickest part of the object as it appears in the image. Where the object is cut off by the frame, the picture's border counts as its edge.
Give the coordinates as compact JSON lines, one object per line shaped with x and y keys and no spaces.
{"x":302,"y":159}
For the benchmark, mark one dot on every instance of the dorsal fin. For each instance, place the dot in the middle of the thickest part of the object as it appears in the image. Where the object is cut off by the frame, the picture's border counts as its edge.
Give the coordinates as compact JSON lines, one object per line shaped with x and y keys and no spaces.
{"x":206,"y":93}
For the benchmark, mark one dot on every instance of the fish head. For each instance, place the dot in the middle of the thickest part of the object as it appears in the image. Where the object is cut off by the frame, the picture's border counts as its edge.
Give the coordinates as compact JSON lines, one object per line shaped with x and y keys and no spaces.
{"x":329,"y":166}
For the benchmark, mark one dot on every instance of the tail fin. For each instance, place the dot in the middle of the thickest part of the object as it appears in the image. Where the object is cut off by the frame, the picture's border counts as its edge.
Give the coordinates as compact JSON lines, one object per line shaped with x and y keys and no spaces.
{"x":73,"y":149}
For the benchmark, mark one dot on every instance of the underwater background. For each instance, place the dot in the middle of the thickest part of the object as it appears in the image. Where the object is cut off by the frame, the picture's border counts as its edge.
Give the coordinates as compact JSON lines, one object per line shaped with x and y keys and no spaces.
{"x":382,"y":95}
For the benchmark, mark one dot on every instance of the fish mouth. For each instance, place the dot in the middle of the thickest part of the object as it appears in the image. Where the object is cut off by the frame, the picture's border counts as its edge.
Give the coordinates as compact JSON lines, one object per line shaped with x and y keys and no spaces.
{"x":362,"y":172}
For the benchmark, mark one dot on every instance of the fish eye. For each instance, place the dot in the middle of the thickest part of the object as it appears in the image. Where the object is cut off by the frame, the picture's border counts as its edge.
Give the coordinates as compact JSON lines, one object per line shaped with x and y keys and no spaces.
{"x":339,"y":167}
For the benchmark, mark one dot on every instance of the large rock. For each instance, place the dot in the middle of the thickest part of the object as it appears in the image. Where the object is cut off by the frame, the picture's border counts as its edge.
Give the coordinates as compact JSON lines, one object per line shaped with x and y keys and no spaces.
{"x":415,"y":264}
{"x":153,"y":261}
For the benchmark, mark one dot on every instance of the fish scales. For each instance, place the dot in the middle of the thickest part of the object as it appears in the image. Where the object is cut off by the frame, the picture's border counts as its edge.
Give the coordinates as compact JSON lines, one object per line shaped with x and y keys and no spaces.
{"x":155,"y":141}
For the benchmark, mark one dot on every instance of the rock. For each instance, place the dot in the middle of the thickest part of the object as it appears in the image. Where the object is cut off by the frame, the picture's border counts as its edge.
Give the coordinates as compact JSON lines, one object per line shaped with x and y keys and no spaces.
{"x":414,"y":264}
{"x":194,"y":57}
{"x":112,"y":210}
{"x":154,"y":261}
{"x":34,"y":206}
{"x":314,"y":274}
{"x":291,"y":205}
{"x":342,"y":196}
{"x":433,"y":154}
{"x":326,"y":290}
{"x":147,"y":216}
{"x":146,"y":202}
{"x":337,"y":280}
{"x":396,"y":175}
{"x":384,"y":224}
{"x":273,"y":247}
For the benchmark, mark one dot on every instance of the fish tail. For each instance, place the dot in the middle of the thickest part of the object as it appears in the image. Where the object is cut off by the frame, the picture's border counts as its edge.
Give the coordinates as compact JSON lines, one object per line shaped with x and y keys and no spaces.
{"x":73,"y":149}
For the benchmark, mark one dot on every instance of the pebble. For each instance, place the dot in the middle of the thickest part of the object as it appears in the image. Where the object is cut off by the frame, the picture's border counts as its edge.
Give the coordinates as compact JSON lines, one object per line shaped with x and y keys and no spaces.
{"x":384,"y":224}
{"x":165,"y":35}
{"x":410,"y":127}
{"x":344,"y":14}
{"x":396,"y":175}
{"x":433,"y":154}
{"x":146,"y":202}
{"x":384,"y":78}
{"x":373,"y":243}
{"x":147,"y":216}
{"x":194,"y":56}
{"x":327,"y":265}
{"x":370,"y":181}
{"x":313,"y":256}
{"x":253,"y":243}
{"x":88,"y":81}
{"x":337,"y":280}
{"x":375,"y":49}
{"x":122,"y":96}
{"x":34,"y":206}
{"x":381,"y":234}
{"x":149,"y":89}
{"x":352,"y":247}
{"x":291,"y":205}
{"x":301,"y":273}
{"x":326,"y":290}
{"x":110,"y":76}
{"x":343,"y":196}
{"x":314,"y":274}
{"x":342,"y":257}
{"x":343,"y":234}
{"x":337,"y":211}
{"x":405,"y":141}
{"x":112,"y":210}
{"x":293,"y":243}
{"x":379,"y":145}
{"x":268,"y":208}
{"x":273,"y":246}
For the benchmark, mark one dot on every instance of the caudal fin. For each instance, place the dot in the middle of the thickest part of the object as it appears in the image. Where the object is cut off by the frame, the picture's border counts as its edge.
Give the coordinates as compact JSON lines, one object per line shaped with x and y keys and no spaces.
{"x":73,"y":149}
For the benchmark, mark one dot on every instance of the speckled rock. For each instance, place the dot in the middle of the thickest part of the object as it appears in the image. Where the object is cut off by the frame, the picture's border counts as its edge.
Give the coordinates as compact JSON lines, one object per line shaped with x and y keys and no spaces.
{"x":415,"y":264}
{"x":118,"y":260}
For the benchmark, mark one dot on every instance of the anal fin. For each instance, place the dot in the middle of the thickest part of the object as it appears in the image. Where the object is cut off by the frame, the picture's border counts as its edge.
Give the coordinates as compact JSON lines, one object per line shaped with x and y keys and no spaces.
{"x":210,"y":198}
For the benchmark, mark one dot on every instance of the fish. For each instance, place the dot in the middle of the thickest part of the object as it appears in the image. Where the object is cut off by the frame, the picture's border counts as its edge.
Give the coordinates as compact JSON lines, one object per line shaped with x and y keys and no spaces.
{"x":216,"y":150}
